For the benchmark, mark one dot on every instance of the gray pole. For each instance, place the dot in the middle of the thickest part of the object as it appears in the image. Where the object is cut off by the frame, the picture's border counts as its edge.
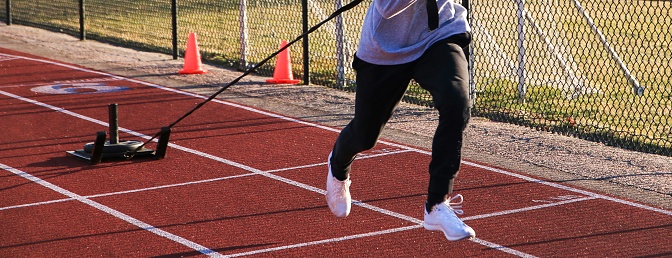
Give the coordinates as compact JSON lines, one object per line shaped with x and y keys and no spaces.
{"x":244,"y":41}
{"x":306,"y":53}
{"x":8,"y":8}
{"x":82,"y":29}
{"x":522,"y":88}
{"x":173,"y":14}
{"x":341,"y":62}
{"x":470,"y":56}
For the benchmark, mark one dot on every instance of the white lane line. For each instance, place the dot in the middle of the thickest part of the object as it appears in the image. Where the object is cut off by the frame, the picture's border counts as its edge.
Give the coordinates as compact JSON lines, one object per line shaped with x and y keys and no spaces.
{"x":94,"y":80}
{"x":129,"y":191}
{"x":376,"y":233}
{"x":325,"y":163}
{"x":419,"y":225}
{"x":502,"y":248}
{"x":382,"y":232}
{"x":186,"y":183}
{"x":325,"y":241}
{"x":13,"y":86}
{"x":571,"y":189}
{"x":113,"y":212}
{"x":35,"y":204}
{"x":536,"y":207}
{"x":337,"y":130}
{"x":222,"y":160}
{"x":7,"y":58}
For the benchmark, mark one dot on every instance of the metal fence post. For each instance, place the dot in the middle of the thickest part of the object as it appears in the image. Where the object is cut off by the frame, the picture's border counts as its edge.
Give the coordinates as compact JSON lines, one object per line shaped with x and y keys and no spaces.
{"x":242,"y":18}
{"x":173,"y":14}
{"x":522,"y":88}
{"x":306,"y":63}
{"x":8,"y":8}
{"x":470,"y":56}
{"x":636,"y":88}
{"x":340,"y":49}
{"x":82,"y":29}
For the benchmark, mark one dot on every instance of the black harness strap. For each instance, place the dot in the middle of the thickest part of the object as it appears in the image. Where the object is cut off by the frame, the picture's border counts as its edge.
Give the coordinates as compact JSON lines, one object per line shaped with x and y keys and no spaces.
{"x":432,"y":14}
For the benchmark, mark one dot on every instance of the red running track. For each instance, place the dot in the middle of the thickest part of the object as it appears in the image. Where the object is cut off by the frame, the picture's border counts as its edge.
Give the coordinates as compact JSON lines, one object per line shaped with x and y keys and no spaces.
{"x":239,"y":181}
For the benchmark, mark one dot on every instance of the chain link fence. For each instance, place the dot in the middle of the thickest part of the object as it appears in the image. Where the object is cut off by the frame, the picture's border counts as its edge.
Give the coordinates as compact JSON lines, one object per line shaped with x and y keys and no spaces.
{"x":598,"y":70}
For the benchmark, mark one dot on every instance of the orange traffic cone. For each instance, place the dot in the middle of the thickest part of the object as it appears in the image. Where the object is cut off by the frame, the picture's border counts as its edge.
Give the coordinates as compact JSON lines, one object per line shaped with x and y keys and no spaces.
{"x":283,"y":68}
{"x":192,"y":57}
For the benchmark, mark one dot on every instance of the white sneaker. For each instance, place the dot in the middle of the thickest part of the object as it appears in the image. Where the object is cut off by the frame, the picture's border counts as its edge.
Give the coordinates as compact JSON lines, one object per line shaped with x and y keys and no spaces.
{"x":338,"y":194}
{"x":443,"y":218}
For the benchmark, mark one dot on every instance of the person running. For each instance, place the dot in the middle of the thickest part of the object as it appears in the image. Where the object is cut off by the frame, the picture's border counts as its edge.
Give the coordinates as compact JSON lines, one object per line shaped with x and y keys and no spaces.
{"x":404,"y":40}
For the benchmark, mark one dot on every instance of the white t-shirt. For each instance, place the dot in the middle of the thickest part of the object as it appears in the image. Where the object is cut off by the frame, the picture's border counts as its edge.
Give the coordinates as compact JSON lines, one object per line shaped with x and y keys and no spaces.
{"x":396,"y":31}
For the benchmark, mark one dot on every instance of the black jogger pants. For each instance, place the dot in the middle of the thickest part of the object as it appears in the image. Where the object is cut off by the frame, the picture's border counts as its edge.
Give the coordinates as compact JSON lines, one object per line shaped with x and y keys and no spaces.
{"x":443,"y":71}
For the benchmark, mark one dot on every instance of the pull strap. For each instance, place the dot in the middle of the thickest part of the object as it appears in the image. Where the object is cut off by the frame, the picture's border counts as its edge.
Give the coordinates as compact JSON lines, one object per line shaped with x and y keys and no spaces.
{"x":432,"y":14}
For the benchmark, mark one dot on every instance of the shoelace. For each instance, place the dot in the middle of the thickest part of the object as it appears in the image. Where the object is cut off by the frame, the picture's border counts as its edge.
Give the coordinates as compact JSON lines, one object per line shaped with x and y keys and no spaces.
{"x":457,"y":205}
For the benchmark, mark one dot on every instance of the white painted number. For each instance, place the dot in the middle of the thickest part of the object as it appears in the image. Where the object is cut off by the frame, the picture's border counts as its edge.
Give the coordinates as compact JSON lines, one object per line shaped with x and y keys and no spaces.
{"x":78,"y":88}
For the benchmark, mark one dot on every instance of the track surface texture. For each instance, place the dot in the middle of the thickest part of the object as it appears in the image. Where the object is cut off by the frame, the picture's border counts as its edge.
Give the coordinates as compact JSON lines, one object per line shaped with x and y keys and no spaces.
{"x":242,"y":178}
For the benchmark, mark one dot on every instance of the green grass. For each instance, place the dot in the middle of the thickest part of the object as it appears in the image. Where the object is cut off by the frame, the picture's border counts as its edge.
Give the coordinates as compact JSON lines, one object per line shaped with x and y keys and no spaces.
{"x":639,"y":31}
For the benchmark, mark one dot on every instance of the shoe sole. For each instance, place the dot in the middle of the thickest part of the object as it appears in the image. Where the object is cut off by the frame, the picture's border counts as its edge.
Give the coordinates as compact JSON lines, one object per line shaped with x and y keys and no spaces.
{"x":450,"y":238}
{"x":333,"y":208}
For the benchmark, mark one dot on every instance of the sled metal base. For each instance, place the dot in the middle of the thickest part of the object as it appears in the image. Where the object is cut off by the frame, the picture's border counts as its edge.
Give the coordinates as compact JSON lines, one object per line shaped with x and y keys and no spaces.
{"x":101,"y":150}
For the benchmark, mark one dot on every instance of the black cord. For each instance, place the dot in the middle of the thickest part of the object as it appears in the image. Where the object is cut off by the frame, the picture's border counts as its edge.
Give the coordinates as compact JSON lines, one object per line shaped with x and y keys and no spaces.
{"x":234,"y":81}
